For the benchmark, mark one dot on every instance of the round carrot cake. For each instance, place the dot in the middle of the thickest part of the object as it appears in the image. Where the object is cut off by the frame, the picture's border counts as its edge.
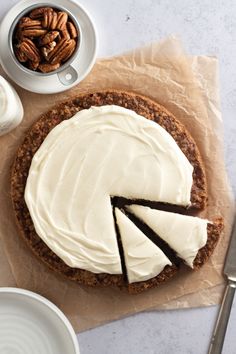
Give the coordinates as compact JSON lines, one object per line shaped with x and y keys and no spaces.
{"x":103,"y":188}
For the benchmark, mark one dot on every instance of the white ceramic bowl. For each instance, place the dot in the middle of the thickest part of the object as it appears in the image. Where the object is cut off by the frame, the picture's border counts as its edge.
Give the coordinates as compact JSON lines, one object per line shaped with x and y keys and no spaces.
{"x":64,"y":67}
{"x":73,"y":72}
{"x":31,"y":324}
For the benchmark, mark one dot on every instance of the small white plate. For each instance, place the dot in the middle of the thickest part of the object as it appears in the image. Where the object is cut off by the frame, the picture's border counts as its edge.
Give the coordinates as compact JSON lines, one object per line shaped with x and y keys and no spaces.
{"x":30,"y":324}
{"x":81,"y":65}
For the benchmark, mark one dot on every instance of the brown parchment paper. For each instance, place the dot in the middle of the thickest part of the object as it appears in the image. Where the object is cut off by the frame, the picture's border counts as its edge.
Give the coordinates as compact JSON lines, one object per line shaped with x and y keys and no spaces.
{"x":188,"y":87}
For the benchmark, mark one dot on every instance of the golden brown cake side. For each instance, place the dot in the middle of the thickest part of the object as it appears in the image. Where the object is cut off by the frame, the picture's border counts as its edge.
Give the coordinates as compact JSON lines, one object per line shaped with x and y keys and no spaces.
{"x":213,"y":231}
{"x":167,"y":273}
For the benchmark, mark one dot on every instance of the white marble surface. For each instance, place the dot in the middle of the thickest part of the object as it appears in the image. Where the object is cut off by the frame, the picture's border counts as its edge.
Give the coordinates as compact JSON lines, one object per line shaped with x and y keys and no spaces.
{"x":206,"y":27}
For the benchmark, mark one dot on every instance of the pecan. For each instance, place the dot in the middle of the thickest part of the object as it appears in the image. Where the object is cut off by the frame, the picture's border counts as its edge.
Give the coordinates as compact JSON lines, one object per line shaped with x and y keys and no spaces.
{"x":29,"y":28}
{"x":46,"y":68}
{"x":47,"y":17}
{"x":23,"y":20}
{"x":54,"y":21}
{"x":65,"y":34}
{"x":48,"y":37}
{"x":62,"y":18}
{"x":20,"y":55}
{"x":33,"y":65}
{"x":19,"y":35}
{"x":72,"y":30}
{"x":65,"y":50}
{"x":58,"y":47}
{"x":70,"y":51}
{"x":39,"y":12}
{"x":30,"y":50}
{"x":33,"y":32}
{"x":26,"y":22}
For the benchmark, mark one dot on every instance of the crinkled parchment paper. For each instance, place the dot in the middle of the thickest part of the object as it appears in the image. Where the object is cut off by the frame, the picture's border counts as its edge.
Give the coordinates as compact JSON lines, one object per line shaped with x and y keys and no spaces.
{"x":188,"y":87}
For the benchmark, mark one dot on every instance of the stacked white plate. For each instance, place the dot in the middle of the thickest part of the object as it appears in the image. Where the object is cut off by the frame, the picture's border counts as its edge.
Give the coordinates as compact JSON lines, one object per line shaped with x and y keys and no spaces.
{"x":30,"y":324}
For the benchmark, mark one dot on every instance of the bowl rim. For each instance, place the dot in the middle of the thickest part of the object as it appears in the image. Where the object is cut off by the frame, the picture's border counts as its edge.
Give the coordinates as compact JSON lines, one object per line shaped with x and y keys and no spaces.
{"x":24,"y":12}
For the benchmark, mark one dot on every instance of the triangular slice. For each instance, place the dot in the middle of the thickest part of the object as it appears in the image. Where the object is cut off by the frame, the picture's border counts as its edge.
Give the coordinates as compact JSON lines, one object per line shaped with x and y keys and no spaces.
{"x":186,"y":235}
{"x":143,"y":259}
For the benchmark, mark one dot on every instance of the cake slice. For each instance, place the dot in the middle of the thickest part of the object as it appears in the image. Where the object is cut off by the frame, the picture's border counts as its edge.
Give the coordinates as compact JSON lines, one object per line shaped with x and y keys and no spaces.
{"x":192,"y":238}
{"x":143,"y":259}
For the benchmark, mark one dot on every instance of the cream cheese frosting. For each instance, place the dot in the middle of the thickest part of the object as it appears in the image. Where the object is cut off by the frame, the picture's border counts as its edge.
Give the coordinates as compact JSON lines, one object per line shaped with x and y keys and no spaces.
{"x":11,"y":109}
{"x":143,"y":259}
{"x":184,"y":234}
{"x":98,"y":153}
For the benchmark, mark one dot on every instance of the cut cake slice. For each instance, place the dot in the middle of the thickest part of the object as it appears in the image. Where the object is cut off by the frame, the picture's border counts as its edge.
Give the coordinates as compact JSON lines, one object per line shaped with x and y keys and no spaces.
{"x":143,"y":259}
{"x":186,"y":235}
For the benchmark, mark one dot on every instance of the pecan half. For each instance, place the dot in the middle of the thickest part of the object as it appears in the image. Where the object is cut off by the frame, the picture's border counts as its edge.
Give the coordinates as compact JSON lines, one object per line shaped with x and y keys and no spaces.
{"x":39,"y":12}
{"x":62,"y":18}
{"x":28,"y":22}
{"x":48,"y":37}
{"x":23,"y":20}
{"x":30,"y":28}
{"x":33,"y":32}
{"x":65,"y":34}
{"x":20,"y":55}
{"x":30,"y":50}
{"x":70,"y":50}
{"x":19,"y":35}
{"x":47,"y":17}
{"x":33,"y":65}
{"x":46,"y":68}
{"x":72,"y":30}
{"x":57,"y":48}
{"x":53,"y":24}
{"x":64,"y":51}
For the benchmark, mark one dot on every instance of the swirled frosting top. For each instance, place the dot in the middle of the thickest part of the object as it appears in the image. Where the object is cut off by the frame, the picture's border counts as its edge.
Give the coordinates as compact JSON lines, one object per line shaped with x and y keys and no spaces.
{"x":99,"y":153}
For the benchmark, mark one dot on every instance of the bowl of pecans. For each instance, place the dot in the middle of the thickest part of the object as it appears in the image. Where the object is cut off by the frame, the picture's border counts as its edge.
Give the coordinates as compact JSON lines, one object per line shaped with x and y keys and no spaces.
{"x":45,"y":39}
{"x":47,"y":47}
